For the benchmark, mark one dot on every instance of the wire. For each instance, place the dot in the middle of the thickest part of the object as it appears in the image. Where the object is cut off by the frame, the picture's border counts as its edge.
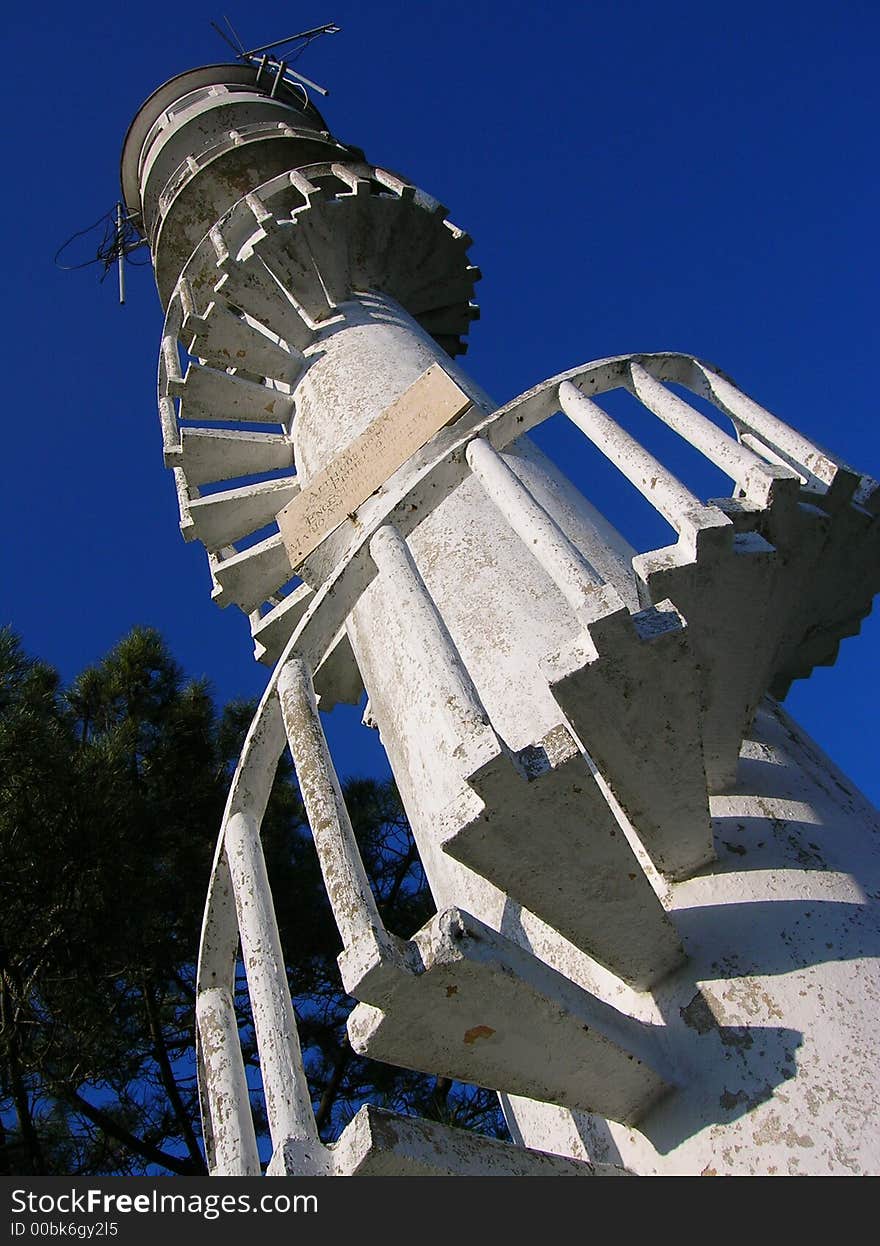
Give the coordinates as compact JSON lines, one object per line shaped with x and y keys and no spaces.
{"x":102,"y":220}
{"x":305,"y":94}
{"x":299,"y":51}
{"x":115,"y":243}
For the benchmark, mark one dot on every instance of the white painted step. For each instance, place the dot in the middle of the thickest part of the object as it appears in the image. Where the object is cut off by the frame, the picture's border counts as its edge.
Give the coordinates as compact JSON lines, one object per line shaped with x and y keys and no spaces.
{"x":209,"y":394}
{"x":322,"y":230}
{"x":251,"y":577}
{"x":338,"y":679}
{"x":371,"y":241}
{"x":543,"y":832}
{"x":443,"y":292}
{"x":379,"y":1143}
{"x":248,"y":285}
{"x":814,"y":651}
{"x":226,"y":340}
{"x":832,"y":591}
{"x":452,"y":319}
{"x":221,"y":518}
{"x":212,"y":454}
{"x":293,"y":267}
{"x":452,"y":345}
{"x":629,"y":689}
{"x":418,"y":257}
{"x":723,"y":583}
{"x":483,"y":1010}
{"x":276,"y":627}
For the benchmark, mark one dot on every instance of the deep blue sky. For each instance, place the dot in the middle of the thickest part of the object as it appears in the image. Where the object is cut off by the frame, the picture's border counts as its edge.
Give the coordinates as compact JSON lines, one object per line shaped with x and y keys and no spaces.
{"x":636,"y":176}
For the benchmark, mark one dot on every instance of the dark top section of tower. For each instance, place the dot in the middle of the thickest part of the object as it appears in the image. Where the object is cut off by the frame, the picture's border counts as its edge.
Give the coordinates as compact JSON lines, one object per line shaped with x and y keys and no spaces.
{"x":206,"y":138}
{"x":176,"y":89}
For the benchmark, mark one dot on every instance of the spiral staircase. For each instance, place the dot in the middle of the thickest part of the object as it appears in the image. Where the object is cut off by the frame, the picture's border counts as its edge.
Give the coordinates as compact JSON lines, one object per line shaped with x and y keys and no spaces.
{"x":656,"y":689}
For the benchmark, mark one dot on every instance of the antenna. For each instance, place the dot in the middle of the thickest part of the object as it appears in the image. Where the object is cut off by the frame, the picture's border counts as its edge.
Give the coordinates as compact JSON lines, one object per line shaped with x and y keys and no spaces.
{"x":119,"y":238}
{"x":281,"y":66}
{"x":308,"y":35}
{"x":226,"y":39}
{"x":120,"y":251}
{"x":234,"y":34}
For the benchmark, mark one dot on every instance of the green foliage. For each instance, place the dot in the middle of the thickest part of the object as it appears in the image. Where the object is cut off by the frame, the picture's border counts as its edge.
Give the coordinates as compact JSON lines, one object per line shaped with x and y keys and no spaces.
{"x":107,"y":804}
{"x":111,"y":794}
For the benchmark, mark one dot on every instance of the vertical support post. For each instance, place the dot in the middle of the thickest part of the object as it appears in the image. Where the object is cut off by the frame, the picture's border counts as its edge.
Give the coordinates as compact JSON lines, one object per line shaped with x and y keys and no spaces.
{"x":725,"y":452}
{"x":120,"y":255}
{"x":280,"y":67}
{"x":232,"y":1125}
{"x":662,"y":489}
{"x":288,"y":1104}
{"x":429,"y":634}
{"x":793,"y":447}
{"x":573,"y":575}
{"x":351,"y":898}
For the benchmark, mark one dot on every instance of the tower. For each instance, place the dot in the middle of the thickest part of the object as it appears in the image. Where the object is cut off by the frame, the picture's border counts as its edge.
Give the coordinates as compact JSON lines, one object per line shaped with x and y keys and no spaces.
{"x":654,"y":933}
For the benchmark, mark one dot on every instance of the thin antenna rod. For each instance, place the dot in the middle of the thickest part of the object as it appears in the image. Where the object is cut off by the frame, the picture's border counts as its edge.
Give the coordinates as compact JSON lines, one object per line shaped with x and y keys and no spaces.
{"x":120,"y":257}
{"x":226,"y":39}
{"x":330,"y":29}
{"x":235,"y":35}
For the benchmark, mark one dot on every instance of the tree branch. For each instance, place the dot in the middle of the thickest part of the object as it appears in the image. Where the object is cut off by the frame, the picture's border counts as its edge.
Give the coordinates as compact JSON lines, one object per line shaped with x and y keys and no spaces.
{"x":331,"y":1090}
{"x":168,"y":1080}
{"x":402,"y":871}
{"x":29,"y":1136}
{"x":174,"y":1163}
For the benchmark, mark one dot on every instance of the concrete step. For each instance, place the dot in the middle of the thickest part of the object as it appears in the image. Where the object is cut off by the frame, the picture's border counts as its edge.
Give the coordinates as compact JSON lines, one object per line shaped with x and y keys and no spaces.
{"x":322,"y":231}
{"x":450,"y":290}
{"x":251,"y":577}
{"x":723,"y":582}
{"x":247,"y":284}
{"x":221,"y":518}
{"x":828,"y":536}
{"x":226,"y":340}
{"x":212,"y":454}
{"x":453,"y":345}
{"x":393,"y":239}
{"x":629,"y":688}
{"x":398,"y":248}
{"x":337,"y":678}
{"x":833,"y":562}
{"x":766,"y":600}
{"x":419,"y":257}
{"x":284,"y":251}
{"x":210,"y":394}
{"x":813,"y":651}
{"x":543,"y":832}
{"x":481,"y":1009}
{"x":447,"y":320}
{"x":378,"y":1143}
{"x":276,"y":627}
{"x":371,"y":232}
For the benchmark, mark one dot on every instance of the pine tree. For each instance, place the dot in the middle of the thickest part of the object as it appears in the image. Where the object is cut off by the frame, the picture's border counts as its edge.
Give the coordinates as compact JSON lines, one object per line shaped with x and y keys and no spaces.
{"x":111,"y":794}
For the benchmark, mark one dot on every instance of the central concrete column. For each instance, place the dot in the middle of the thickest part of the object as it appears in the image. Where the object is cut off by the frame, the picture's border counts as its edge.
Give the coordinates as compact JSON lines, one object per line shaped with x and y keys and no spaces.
{"x":502,"y":611}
